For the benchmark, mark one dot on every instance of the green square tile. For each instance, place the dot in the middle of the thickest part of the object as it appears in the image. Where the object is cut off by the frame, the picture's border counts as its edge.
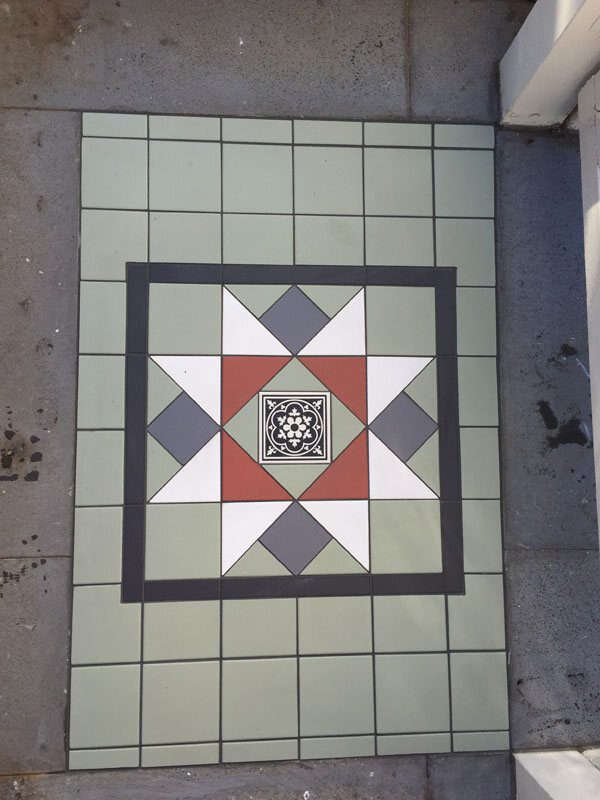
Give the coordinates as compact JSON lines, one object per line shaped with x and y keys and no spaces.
{"x":405,"y":536}
{"x":114,"y":173}
{"x":257,"y":178}
{"x":310,"y":131}
{"x":126,"y":125}
{"x":329,"y":240}
{"x":468,"y":245}
{"x":180,"y":702}
{"x":101,"y":392}
{"x":464,"y":183}
{"x":476,"y":322}
{"x":104,"y":629}
{"x":99,"y":470}
{"x":105,"y":706}
{"x":97,"y":544}
{"x":476,"y":619}
{"x":396,"y":241}
{"x":482,"y":535}
{"x":477,"y":391}
{"x":185,"y":176}
{"x":337,"y":747}
{"x":410,"y":623}
{"x":400,"y":321}
{"x":258,"y":239}
{"x":101,"y":317}
{"x":328,"y":180}
{"x":480,"y":463}
{"x":181,"y":630}
{"x":334,"y":625}
{"x":173,"y":127}
{"x":109,"y":239}
{"x":336,"y":696}
{"x":180,"y":755}
{"x":477,"y":136}
{"x":398,"y":181}
{"x":260,"y":699}
{"x":109,"y":758}
{"x":238,"y":129}
{"x":397,"y":134}
{"x":183,"y":541}
{"x":479,"y":693}
{"x":485,"y":740}
{"x":184,"y":318}
{"x":273,"y":750}
{"x":185,"y":237}
{"x":412,"y":693}
{"x":408,"y":744}
{"x":259,"y":627}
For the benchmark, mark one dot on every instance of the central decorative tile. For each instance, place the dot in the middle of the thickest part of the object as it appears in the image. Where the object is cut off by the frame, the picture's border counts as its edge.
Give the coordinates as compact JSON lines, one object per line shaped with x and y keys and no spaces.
{"x":294,"y":427}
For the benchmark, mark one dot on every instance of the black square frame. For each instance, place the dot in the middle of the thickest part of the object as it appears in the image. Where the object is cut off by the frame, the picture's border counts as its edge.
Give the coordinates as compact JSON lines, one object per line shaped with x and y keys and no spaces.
{"x":134,"y":587}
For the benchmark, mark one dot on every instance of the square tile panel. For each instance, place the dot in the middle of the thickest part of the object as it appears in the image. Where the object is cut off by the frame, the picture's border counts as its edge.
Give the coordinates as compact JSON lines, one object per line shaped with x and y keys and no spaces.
{"x":248,"y":587}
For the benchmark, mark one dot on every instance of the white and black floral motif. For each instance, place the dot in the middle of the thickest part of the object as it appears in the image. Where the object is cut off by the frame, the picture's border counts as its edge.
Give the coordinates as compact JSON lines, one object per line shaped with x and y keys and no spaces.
{"x":294,"y":427}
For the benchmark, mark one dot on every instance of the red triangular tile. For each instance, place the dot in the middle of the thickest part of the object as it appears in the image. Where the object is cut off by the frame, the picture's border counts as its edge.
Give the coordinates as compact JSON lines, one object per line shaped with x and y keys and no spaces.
{"x":244,"y":479}
{"x":346,"y":376}
{"x":243,"y":376}
{"x":347,"y":478}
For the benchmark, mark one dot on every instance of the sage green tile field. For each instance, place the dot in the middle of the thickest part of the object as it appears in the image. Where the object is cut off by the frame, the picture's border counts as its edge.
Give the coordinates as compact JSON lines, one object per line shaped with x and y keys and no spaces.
{"x":109,"y":239}
{"x":398,"y":182}
{"x":185,"y":237}
{"x":184,"y":176}
{"x":261,"y":627}
{"x":412,"y":693}
{"x":288,"y":539}
{"x":260,"y":699}
{"x":114,"y":173}
{"x":180,"y":702}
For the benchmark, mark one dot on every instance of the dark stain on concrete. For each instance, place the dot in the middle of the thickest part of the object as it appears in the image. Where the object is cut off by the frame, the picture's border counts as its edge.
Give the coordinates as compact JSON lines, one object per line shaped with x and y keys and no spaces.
{"x":569,"y":433}
{"x":549,"y":417}
{"x":48,"y":23}
{"x":17,"y":451}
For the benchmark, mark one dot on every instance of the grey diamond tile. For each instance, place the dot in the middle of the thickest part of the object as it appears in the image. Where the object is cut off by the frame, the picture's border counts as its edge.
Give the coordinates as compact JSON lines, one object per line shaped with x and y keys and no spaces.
{"x":294,"y":319}
{"x":403,"y":426}
{"x":183,"y":428}
{"x":295,"y":538}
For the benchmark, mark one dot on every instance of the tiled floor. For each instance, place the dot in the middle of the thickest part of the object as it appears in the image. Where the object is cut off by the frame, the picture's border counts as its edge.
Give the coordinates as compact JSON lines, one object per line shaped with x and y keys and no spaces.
{"x":287,"y":533}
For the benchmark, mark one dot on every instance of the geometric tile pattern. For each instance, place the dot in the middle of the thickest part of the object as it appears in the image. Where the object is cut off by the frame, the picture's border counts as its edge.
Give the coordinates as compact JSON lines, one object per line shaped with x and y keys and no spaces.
{"x":230,"y":609}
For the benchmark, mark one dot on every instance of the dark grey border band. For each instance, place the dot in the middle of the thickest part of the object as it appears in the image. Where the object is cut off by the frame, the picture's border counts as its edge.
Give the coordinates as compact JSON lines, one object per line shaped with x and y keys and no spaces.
{"x":449,"y":581}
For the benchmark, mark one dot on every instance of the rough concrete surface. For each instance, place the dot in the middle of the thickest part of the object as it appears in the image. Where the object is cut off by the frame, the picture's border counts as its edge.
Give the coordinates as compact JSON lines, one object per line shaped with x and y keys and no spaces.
{"x":447,"y":82}
{"x":34,"y":620}
{"x":548,"y":468}
{"x":461,"y":777}
{"x":552,"y":619}
{"x":39,"y":165}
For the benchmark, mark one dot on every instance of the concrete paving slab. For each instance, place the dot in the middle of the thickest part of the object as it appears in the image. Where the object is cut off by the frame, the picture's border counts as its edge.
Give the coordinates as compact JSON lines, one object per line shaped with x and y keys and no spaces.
{"x":553,"y":604}
{"x":455,"y":49}
{"x":34,"y":620}
{"x":548,"y":469}
{"x":401,"y":778}
{"x":470,"y":777}
{"x":38,"y":262}
{"x":337,"y":58}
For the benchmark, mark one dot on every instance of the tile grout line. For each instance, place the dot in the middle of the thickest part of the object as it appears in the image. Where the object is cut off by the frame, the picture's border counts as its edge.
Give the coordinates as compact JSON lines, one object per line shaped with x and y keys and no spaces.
{"x":220,"y":730}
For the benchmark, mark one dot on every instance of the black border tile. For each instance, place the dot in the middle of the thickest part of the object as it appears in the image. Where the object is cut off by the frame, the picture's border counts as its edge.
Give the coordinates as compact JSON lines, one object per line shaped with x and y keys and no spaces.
{"x":450,"y":580}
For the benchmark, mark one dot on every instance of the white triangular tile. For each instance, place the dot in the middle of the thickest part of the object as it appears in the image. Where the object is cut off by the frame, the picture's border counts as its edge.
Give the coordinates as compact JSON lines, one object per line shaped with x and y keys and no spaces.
{"x":344,"y":335}
{"x":199,"y":481}
{"x":242,"y":525}
{"x":347,"y":521}
{"x":390,"y":478}
{"x":244,"y":335}
{"x":199,"y":376}
{"x":387,"y":376}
